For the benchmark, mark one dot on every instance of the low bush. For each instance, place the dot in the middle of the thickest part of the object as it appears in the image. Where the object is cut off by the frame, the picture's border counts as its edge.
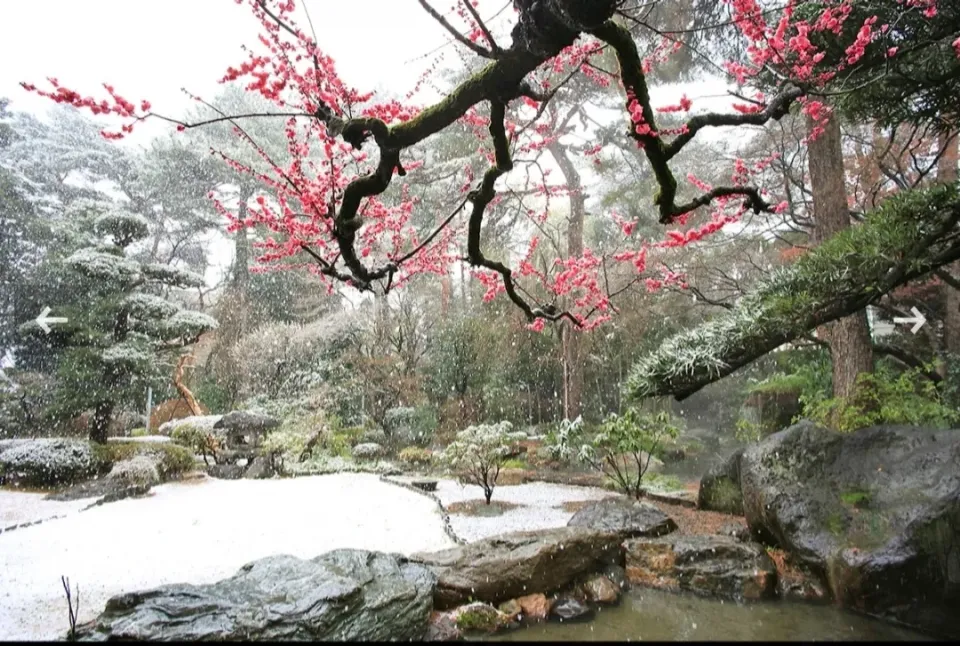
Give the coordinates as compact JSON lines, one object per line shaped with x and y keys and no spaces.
{"x":415,"y":455}
{"x":172,"y":459}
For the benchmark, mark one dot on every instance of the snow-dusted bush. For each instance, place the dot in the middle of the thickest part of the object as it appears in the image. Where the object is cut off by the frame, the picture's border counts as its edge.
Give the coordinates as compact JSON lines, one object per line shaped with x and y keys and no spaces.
{"x":478,"y":454}
{"x":367,"y":451}
{"x":202,"y":422}
{"x":139,"y":470}
{"x":145,"y":306}
{"x":49,"y":462}
{"x":123,"y":226}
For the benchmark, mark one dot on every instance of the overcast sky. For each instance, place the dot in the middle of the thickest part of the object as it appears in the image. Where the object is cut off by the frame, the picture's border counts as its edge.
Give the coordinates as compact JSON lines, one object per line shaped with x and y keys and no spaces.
{"x":149,"y":49}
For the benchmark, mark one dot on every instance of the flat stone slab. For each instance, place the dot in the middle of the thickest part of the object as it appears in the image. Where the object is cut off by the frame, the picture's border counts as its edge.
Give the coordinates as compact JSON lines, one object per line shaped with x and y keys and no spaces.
{"x":519,"y":563}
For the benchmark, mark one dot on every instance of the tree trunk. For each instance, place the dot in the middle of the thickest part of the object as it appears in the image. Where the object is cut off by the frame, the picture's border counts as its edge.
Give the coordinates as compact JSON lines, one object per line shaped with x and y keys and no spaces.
{"x":851,"y":348}
{"x":571,"y":339}
{"x":181,"y":387}
{"x":100,"y":424}
{"x":947,"y":173}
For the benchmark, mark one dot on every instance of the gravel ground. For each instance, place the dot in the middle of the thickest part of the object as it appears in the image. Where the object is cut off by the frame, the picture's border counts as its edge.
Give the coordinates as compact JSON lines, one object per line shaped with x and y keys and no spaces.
{"x":539,"y":507}
{"x":18,"y":507}
{"x":197,"y":532}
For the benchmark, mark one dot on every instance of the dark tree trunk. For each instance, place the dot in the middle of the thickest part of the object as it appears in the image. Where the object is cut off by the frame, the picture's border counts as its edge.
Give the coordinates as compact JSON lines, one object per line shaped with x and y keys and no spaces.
{"x":100,"y":423}
{"x":851,"y":348}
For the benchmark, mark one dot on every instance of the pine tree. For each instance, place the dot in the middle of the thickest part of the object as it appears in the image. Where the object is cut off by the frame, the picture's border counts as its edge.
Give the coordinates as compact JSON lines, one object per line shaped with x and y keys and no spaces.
{"x":121,"y":327}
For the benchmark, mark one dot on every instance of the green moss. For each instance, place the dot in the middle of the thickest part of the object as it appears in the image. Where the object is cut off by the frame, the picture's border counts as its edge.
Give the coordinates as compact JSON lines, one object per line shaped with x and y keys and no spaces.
{"x":514,"y":463}
{"x":724,"y":496}
{"x":480,"y":618}
{"x":835,"y":524}
{"x":856,"y":498}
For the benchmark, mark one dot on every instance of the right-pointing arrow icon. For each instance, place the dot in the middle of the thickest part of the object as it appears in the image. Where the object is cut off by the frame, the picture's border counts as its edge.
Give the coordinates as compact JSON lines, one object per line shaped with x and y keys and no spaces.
{"x":918,"y":319}
{"x":44,"y":320}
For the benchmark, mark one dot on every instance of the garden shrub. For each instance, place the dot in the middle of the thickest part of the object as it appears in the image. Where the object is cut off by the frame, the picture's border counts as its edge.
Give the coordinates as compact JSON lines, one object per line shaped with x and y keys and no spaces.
{"x":172,"y":460}
{"x":624,"y":447}
{"x":198,"y":439}
{"x":415,"y":455}
{"x":884,"y":397}
{"x":478,"y":454}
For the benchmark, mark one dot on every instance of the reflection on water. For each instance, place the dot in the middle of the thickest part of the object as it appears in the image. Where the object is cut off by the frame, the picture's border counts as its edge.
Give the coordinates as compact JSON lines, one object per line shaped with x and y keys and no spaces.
{"x":654,"y":615}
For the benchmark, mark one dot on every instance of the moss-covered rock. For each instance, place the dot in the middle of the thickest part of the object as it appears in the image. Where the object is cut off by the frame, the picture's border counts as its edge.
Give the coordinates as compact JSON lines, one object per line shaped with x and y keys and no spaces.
{"x":720,"y":487}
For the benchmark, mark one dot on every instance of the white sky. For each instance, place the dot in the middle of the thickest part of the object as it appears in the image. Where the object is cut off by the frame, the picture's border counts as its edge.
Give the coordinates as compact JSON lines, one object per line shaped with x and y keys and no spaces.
{"x":149,"y":49}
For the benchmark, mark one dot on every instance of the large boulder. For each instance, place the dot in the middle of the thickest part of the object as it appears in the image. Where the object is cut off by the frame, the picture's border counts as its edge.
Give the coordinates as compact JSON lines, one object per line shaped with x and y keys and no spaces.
{"x":718,"y":566}
{"x":50,"y":462}
{"x":625,"y":517}
{"x":875,"y":513}
{"x":720,"y":487}
{"x":344,"y":595}
{"x":519,"y":563}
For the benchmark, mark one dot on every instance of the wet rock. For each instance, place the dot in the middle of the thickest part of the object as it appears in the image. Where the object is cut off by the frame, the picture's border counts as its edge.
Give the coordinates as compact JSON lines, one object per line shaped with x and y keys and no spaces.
{"x":507,"y":566}
{"x":442,"y":627}
{"x":511,"y":608}
{"x":425,"y":485}
{"x":874,"y":513}
{"x":616,"y":574}
{"x":226,"y":471}
{"x":717,"y":566}
{"x":625,"y":517}
{"x":571,"y":609}
{"x":344,"y":595}
{"x":600,"y":589}
{"x":738,"y":531}
{"x":50,"y":462}
{"x":535,"y":607}
{"x":720,"y":487}
{"x":259,"y":469}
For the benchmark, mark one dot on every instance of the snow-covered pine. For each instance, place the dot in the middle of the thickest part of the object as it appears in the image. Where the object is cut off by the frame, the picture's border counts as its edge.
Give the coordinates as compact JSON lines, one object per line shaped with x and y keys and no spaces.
{"x":189,"y":324}
{"x":172,"y":276}
{"x":104,"y":266}
{"x":150,"y":306}
{"x":125,"y":227}
{"x":127,"y":355}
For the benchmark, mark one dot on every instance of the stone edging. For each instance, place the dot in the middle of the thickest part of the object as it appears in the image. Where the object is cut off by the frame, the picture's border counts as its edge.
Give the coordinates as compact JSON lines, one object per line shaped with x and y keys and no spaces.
{"x":32,"y":522}
{"x":447,"y":527}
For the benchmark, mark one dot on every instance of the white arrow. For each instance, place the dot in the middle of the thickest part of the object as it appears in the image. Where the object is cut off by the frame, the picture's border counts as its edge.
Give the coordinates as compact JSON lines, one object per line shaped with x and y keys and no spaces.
{"x":918,"y":319}
{"x":4,"y":377}
{"x":44,"y":320}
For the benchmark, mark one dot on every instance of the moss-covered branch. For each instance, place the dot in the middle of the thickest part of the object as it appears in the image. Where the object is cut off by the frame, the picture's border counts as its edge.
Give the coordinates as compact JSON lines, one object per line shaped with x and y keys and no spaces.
{"x":910,"y":235}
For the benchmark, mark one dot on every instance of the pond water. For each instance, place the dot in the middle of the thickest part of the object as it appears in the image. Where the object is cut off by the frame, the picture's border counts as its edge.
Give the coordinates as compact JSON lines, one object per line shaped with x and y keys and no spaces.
{"x":655,"y":615}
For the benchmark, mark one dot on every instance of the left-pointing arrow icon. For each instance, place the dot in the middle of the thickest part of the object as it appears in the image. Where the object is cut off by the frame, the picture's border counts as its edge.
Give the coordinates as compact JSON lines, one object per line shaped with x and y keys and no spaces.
{"x":45,"y":320}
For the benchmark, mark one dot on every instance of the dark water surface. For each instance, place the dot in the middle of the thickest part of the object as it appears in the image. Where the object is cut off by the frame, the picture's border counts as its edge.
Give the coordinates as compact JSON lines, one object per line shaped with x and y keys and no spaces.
{"x":654,"y":615}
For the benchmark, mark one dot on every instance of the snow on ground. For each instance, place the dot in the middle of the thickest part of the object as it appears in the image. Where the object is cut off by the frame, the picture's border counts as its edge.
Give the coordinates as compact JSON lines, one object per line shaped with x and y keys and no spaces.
{"x":540,"y":506}
{"x":198,"y":532}
{"x":18,"y":507}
